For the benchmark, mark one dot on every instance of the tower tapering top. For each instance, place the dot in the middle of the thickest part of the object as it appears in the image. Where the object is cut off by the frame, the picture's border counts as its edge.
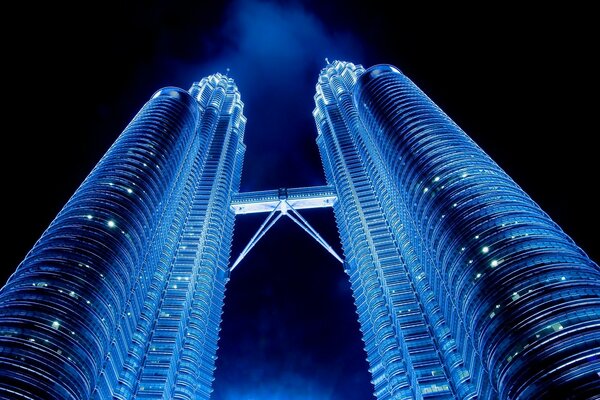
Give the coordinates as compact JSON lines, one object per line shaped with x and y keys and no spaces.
{"x":214,"y":81}
{"x":337,"y":67}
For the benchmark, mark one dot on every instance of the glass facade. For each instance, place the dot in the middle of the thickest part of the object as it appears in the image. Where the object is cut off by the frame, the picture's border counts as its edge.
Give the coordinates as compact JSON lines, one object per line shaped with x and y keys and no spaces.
{"x":403,"y":330}
{"x":502,"y":303}
{"x":122,"y":295}
{"x":464,"y":288}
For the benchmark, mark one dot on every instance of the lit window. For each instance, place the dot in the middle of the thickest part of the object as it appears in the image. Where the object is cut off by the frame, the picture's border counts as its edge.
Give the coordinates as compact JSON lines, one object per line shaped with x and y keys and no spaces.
{"x":556,"y":327}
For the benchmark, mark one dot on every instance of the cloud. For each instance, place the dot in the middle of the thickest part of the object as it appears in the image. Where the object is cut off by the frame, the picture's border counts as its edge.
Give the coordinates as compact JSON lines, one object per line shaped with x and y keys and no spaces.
{"x":277,"y":44}
{"x":275,"y":52}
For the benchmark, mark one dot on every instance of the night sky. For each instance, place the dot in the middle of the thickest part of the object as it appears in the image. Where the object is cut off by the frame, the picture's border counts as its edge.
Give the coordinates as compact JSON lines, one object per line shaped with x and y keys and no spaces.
{"x":523,"y":83}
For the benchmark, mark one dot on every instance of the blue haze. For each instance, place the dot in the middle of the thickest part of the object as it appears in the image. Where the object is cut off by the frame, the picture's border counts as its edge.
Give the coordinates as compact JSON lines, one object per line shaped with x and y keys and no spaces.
{"x":89,"y":93}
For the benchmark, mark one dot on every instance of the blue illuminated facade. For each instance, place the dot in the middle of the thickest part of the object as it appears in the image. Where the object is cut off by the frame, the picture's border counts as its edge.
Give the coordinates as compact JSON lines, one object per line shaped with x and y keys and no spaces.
{"x":464,"y":287}
{"x":122,"y":295}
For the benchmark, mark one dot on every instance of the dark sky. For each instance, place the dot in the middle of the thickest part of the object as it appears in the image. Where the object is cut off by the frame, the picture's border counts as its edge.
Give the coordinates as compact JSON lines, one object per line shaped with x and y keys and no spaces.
{"x":521,"y":82}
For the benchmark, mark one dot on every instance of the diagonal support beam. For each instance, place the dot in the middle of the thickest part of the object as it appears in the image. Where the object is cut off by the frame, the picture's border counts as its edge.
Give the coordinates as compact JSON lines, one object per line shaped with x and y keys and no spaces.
{"x":303,"y":223}
{"x":283,"y":207}
{"x":266,"y":225}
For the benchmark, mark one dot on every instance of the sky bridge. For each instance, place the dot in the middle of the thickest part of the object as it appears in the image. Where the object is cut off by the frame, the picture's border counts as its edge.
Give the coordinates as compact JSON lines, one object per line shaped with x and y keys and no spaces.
{"x":283,"y":202}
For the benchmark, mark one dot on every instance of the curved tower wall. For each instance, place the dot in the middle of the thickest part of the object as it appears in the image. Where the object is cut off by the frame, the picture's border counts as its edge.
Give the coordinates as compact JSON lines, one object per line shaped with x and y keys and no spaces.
{"x":122,"y":294}
{"x":521,"y":299}
{"x":409,"y":348}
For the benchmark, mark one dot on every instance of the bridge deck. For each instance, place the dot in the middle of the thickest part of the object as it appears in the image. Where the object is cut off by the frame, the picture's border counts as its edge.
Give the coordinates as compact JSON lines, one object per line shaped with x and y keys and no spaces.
{"x":297,"y":198}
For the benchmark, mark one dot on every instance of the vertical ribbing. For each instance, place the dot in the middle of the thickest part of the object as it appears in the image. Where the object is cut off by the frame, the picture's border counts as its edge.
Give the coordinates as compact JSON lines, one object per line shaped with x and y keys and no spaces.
{"x":405,"y":337}
{"x":66,"y":304}
{"x":523,"y":301}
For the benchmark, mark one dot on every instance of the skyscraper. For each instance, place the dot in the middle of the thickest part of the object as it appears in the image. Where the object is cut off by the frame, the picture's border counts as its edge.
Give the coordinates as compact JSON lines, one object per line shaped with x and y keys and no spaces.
{"x":464,"y":287}
{"x":122,"y":295}
{"x":403,"y":335}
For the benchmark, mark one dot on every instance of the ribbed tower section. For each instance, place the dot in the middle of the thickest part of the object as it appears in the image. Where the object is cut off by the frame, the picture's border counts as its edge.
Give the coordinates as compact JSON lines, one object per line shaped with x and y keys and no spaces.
{"x":121,"y":297}
{"x":522,"y":301}
{"x":409,"y":348}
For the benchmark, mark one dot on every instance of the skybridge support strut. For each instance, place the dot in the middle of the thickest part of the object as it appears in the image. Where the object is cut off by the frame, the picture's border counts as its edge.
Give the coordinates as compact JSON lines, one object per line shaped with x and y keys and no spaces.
{"x":282,"y":202}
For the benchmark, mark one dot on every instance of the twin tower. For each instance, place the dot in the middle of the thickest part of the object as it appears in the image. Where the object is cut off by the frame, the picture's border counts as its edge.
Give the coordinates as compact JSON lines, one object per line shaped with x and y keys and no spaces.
{"x":464,"y":287}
